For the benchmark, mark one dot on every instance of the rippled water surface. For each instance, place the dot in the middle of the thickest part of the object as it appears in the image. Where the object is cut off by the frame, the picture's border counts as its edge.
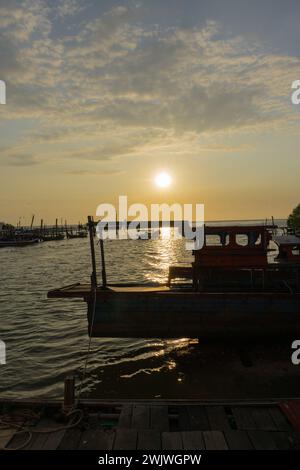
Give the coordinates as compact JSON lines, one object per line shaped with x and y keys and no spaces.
{"x":47,"y":338}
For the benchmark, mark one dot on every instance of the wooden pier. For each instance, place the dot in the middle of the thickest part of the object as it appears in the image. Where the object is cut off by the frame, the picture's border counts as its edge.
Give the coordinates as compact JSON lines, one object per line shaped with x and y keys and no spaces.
{"x":151,"y":425}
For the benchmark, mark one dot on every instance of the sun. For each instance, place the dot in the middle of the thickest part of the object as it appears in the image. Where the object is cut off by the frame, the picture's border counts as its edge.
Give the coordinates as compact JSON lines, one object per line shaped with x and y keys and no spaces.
{"x":163,"y":180}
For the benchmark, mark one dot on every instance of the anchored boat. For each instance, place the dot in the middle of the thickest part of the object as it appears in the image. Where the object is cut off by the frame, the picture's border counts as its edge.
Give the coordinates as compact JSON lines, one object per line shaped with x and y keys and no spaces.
{"x":16,"y":242}
{"x":231,"y":290}
{"x":51,"y":238}
{"x":80,"y":234}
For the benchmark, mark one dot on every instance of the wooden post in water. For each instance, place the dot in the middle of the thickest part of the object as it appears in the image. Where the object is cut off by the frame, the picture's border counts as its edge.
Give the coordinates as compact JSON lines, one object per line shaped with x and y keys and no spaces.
{"x":91,"y":233}
{"x":103,"y":264}
{"x":69,"y":394}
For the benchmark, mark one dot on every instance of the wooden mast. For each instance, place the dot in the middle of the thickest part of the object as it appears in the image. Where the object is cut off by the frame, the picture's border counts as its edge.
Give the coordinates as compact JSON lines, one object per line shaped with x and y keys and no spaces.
{"x":92,"y":246}
{"x":103,"y":264}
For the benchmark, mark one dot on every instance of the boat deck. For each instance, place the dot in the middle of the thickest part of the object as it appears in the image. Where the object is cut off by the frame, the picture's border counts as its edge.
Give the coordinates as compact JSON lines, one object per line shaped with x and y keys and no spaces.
{"x":84,"y":290}
{"x":151,"y":425}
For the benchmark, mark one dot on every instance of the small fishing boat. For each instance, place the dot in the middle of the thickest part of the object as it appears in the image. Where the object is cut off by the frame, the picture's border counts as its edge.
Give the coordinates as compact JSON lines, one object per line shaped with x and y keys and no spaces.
{"x":12,"y":243}
{"x":80,"y":234}
{"x":51,"y":238}
{"x":231,"y":290}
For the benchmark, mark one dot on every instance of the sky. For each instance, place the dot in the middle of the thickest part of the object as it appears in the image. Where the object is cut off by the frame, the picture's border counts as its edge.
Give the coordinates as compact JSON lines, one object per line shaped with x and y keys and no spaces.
{"x":103,"y":95}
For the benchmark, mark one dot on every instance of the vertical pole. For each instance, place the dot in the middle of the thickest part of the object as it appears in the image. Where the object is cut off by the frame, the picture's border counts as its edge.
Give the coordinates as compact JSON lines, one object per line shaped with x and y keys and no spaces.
{"x":69,"y":393}
{"x":103,"y":264}
{"x":91,"y":233}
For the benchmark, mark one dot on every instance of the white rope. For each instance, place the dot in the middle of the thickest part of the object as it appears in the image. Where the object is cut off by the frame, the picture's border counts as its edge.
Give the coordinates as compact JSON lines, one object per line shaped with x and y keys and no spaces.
{"x":90,"y":342}
{"x":30,"y":431}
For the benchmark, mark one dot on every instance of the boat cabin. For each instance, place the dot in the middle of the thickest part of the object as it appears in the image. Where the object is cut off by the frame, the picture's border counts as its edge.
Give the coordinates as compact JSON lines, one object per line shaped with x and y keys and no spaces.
{"x":234,"y":247}
{"x":289,"y":248}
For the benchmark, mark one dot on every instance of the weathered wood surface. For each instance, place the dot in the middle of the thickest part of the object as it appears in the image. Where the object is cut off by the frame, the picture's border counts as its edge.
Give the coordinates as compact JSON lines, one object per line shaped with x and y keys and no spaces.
{"x":151,"y":426}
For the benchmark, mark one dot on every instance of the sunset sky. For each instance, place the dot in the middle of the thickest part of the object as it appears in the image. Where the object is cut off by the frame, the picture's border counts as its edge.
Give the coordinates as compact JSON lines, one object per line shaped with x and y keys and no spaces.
{"x":103,"y":95}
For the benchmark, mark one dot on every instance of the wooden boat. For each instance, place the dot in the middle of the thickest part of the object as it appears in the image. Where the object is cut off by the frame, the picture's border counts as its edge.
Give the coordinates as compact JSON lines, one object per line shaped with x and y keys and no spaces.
{"x":12,"y":243}
{"x":76,"y":235}
{"x":233,"y":292}
{"x":51,"y":238}
{"x":164,"y":312}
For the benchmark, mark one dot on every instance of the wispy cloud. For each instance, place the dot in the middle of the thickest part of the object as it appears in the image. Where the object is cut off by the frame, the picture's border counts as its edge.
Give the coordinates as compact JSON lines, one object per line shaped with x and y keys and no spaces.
{"x":120,"y":87}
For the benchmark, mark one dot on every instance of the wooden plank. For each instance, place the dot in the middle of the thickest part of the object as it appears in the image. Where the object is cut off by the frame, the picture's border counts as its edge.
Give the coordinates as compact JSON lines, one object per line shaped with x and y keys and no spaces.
{"x":217,"y":418}
{"x":198,"y":418}
{"x":125,"y":417}
{"x":238,"y":440}
{"x":159,"y":418}
{"x":149,"y":439}
{"x":291,"y":409}
{"x":70,"y":440}
{"x":279,"y":419}
{"x":47,"y":441}
{"x":37,"y":442}
{"x":39,"y":439}
{"x":294,"y":438}
{"x":184,"y":420}
{"x":282,"y":440}
{"x":5,"y":436}
{"x":172,"y":441}
{"x":126,"y":439}
{"x":262,"y":419}
{"x":214,"y":440}
{"x":140,"y":417}
{"x":192,"y":440}
{"x":243,"y":417}
{"x":96,"y":439}
{"x":53,"y":440}
{"x":17,"y":440}
{"x":262,"y":440}
{"x":143,"y":289}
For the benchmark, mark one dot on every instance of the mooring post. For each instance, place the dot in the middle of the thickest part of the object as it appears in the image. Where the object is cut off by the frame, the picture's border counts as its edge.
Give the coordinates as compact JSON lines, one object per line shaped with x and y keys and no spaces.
{"x":41,"y":229}
{"x":69,"y":394}
{"x":103,"y":264}
{"x":91,"y":233}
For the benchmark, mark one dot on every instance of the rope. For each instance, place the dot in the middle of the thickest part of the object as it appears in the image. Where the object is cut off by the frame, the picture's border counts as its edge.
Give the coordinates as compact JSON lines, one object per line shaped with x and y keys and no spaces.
{"x":30,"y":432}
{"x":288,"y":286}
{"x":90,"y":343}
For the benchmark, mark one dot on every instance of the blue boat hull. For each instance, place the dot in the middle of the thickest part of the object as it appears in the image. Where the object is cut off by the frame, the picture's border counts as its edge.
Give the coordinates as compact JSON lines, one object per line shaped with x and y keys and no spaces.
{"x":171,"y":314}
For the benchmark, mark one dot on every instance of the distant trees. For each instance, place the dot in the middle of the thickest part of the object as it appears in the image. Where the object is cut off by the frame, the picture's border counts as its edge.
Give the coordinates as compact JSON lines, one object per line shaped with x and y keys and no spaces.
{"x":8,"y":227}
{"x":293,"y":221}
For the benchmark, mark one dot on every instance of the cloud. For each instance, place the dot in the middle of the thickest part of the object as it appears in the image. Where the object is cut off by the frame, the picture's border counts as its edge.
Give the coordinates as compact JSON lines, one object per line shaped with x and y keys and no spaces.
{"x":67,"y":8}
{"x":19,"y":19}
{"x":102,"y":172}
{"x":118,"y":86}
{"x":10,"y":158}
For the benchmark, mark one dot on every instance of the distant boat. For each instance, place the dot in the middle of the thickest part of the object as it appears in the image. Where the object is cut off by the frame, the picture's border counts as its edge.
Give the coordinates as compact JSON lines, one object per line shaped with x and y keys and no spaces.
{"x":6,"y":243}
{"x":77,"y":235}
{"x":51,"y":238}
